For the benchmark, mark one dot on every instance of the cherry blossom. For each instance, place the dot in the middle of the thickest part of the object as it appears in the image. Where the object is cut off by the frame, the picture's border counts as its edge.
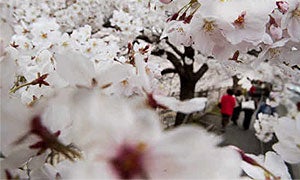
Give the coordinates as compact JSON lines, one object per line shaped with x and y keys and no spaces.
{"x":133,"y":134}
{"x":272,"y":162}
{"x":291,"y":20}
{"x":288,"y":145}
{"x":179,"y":33}
{"x":264,"y":127}
{"x":83,"y":83}
{"x":247,"y":21}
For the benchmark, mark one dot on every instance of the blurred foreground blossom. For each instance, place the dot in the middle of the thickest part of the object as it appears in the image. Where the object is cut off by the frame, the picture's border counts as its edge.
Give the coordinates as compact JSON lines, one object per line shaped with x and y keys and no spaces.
{"x":121,"y":139}
{"x":264,"y":126}
{"x":288,"y":133}
{"x":272,"y":162}
{"x":188,"y":106}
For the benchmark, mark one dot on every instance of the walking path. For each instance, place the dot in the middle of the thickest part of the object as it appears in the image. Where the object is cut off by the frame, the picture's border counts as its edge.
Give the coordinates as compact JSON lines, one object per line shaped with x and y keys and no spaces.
{"x":244,"y":139}
{"x":234,"y":134}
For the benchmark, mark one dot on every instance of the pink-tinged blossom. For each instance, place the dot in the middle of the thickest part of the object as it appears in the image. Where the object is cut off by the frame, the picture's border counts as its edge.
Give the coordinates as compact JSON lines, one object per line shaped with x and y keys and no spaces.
{"x":16,"y":138}
{"x":275,"y":29}
{"x":29,"y":134}
{"x":45,"y":32}
{"x":178,"y":33}
{"x":264,"y":127}
{"x":291,"y":20}
{"x":209,"y":29}
{"x":288,"y":133}
{"x":276,"y":32}
{"x":74,"y":68}
{"x":204,"y":30}
{"x":188,"y":106}
{"x":14,"y":124}
{"x":283,"y":6}
{"x":121,"y":139}
{"x":272,"y":162}
{"x":12,"y":111}
{"x":248,"y":20}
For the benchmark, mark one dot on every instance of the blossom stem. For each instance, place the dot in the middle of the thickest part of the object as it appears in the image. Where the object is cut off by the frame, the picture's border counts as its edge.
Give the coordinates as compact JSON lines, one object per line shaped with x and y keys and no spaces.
{"x":198,"y":6}
{"x":14,"y":89}
{"x":40,"y":80}
{"x":184,"y":7}
{"x":253,"y":162}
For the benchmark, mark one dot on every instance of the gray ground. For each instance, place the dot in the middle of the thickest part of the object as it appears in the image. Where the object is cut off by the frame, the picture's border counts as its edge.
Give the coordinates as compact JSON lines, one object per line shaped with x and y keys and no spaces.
{"x":234,"y":135}
{"x":244,"y":139}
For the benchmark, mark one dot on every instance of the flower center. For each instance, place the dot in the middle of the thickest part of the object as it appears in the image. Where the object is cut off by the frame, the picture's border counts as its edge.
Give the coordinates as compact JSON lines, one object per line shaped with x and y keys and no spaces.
{"x":208,"y":26}
{"x":274,"y":52}
{"x":44,"y":35}
{"x":296,"y":13}
{"x":180,"y":29}
{"x":129,"y":162}
{"x":240,"y":21}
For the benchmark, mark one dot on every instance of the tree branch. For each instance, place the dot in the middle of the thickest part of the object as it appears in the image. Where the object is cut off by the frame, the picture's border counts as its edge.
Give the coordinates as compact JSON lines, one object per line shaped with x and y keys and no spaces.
{"x":175,"y":49}
{"x":158,"y":52}
{"x":175,"y":61}
{"x":107,"y":24}
{"x":145,"y":38}
{"x":254,"y":52}
{"x":201,"y":71}
{"x":189,"y":52}
{"x":168,"y":70}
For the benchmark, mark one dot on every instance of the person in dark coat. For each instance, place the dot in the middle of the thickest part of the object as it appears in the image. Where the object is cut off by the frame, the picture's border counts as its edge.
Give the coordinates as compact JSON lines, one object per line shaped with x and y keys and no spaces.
{"x":239,"y":98}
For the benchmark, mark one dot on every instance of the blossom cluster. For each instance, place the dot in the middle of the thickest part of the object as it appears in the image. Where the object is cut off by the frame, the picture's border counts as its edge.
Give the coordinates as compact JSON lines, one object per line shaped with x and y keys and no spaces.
{"x":264,"y":127}
{"x":225,"y":29}
{"x":80,"y":87}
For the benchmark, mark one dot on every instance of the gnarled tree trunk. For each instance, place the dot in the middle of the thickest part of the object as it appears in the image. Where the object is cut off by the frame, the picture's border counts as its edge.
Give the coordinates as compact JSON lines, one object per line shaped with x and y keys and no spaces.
{"x":187,"y":91}
{"x":188,"y":79}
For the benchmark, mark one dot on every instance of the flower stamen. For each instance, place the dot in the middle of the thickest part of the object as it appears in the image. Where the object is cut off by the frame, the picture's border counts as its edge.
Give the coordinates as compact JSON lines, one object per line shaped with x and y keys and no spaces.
{"x":296,"y":13}
{"x":208,"y":26}
{"x":50,"y":140}
{"x":129,"y":161}
{"x":240,"y":21}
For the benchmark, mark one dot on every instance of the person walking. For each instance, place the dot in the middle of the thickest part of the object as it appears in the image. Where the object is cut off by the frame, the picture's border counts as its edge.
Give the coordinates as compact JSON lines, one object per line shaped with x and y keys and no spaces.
{"x":248,"y":106}
{"x":248,"y":116}
{"x":265,"y":108}
{"x":227,"y":105}
{"x":239,"y":98}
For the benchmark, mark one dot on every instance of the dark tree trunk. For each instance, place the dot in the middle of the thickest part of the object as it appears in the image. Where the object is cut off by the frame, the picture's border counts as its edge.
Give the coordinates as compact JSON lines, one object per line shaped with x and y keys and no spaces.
{"x":235,"y":82}
{"x":187,"y":88}
{"x":187,"y":91}
{"x":188,"y":78}
{"x":188,"y":81}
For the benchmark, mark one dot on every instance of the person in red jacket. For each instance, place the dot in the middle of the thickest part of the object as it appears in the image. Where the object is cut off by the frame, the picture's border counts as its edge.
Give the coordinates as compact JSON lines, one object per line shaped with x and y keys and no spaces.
{"x":227,"y":106}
